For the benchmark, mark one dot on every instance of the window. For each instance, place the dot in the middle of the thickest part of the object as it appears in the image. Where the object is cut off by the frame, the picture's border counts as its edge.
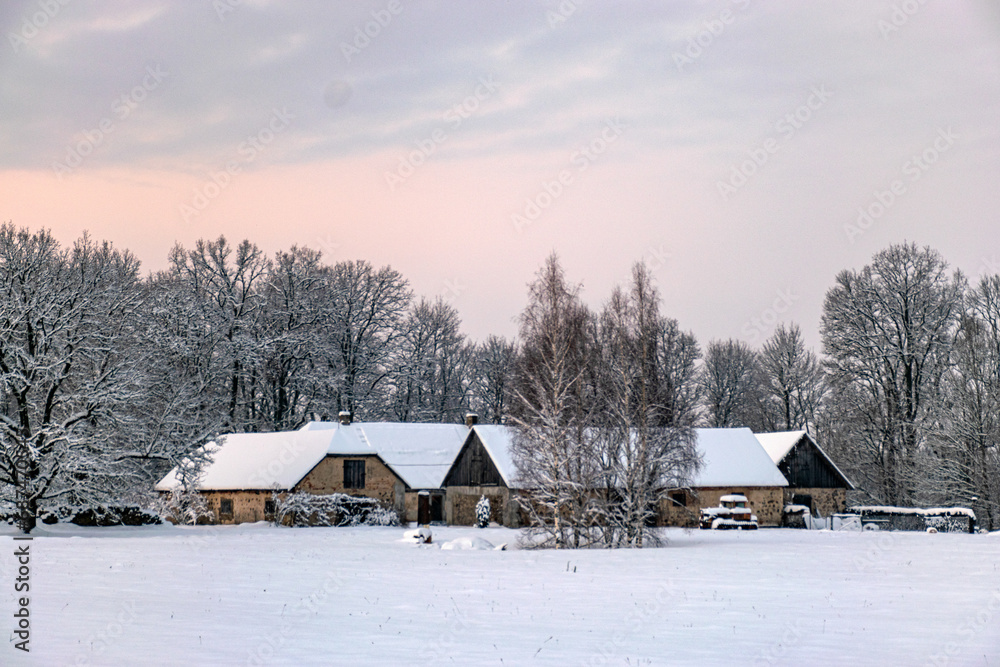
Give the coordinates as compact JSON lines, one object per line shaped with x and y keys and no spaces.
{"x":678,"y":498}
{"x":226,"y":508}
{"x":269,"y":508}
{"x":354,"y":474}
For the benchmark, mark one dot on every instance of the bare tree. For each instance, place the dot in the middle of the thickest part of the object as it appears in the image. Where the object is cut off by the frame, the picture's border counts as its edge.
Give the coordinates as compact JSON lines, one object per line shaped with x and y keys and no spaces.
{"x":887,"y":331}
{"x":364,"y":327}
{"x":643,"y":450}
{"x":491,"y":378}
{"x":552,"y":449}
{"x":730,"y":380}
{"x":431,"y":374}
{"x":793,"y":382}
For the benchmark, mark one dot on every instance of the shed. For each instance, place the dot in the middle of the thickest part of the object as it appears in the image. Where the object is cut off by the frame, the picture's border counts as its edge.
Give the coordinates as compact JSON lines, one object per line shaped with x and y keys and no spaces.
{"x":814,"y":480}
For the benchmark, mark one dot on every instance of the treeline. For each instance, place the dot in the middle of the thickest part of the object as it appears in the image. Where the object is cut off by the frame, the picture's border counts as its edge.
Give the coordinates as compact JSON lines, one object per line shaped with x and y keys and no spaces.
{"x":108,"y":378}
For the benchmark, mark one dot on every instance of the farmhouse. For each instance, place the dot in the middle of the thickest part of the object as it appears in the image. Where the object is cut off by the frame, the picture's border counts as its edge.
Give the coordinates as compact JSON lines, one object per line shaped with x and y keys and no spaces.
{"x":733,"y":461}
{"x":813,"y":479}
{"x":400,"y":464}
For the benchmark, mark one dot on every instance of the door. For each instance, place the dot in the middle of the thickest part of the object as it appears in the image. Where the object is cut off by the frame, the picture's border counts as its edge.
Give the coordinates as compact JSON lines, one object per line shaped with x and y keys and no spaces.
{"x":423,"y":508}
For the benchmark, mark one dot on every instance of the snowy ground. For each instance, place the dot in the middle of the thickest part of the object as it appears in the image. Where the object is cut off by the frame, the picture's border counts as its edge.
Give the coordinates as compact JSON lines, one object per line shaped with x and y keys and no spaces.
{"x":262,"y":595}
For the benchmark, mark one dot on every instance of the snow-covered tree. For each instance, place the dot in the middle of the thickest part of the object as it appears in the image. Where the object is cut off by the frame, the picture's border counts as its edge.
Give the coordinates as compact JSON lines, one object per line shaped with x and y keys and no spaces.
{"x":483,"y":512}
{"x":792,"y":379}
{"x":644,"y":451}
{"x":887,"y":333}
{"x":967,"y":442}
{"x":433,"y":364}
{"x":553,"y":451}
{"x":730,"y":381}
{"x":67,"y":329}
{"x":491,"y":378}
{"x":363,"y":330}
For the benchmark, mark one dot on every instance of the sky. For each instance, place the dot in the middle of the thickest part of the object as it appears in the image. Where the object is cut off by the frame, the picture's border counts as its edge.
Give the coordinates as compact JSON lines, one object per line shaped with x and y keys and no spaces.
{"x":746,"y":151}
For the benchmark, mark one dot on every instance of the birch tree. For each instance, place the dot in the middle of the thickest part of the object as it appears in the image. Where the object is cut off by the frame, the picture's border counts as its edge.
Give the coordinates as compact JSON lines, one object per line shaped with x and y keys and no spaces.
{"x":552,"y":448}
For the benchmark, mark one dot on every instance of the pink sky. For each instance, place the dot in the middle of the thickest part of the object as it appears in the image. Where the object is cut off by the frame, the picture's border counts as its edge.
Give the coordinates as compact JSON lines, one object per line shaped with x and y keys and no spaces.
{"x":648,"y":189}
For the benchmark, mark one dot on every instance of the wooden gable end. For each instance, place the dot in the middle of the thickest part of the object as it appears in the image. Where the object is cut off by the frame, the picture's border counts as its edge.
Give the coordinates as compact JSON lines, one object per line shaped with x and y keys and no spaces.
{"x":473,"y":466}
{"x":804,"y":466}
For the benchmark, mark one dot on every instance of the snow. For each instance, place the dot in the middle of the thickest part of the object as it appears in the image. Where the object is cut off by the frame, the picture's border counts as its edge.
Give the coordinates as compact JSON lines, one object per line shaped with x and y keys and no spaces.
{"x":730,"y":457}
{"x":498,"y":441}
{"x":922,"y":511}
{"x":778,"y":444}
{"x":259,"y":461}
{"x":421,"y":454}
{"x":734,"y":457}
{"x":255,"y":594}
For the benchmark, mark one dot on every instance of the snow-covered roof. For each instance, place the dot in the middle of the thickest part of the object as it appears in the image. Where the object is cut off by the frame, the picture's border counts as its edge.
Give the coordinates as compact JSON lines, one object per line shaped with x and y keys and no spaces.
{"x":498,"y":440}
{"x":780,"y":443}
{"x":734,"y":457}
{"x":258,"y":461}
{"x":730,"y":457}
{"x":420,"y":454}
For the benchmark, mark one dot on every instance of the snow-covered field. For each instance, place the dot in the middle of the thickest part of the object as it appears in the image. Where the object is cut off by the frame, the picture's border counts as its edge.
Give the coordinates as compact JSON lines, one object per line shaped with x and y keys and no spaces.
{"x":257,"y":595}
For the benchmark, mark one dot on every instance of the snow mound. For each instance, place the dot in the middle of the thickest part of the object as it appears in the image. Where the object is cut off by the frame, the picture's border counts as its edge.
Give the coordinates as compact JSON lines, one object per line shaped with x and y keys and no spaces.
{"x":471,"y":544}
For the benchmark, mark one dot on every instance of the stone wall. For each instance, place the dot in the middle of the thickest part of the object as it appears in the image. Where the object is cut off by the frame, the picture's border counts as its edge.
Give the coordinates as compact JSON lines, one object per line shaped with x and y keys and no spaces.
{"x":767,"y":504}
{"x":380,"y":482}
{"x":248,"y":506}
{"x":827,"y":501}
{"x":460,"y":505}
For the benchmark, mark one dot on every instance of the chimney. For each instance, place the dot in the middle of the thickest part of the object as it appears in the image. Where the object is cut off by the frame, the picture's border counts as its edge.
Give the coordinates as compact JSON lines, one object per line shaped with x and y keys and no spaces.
{"x":471,"y":419}
{"x":345,"y":417}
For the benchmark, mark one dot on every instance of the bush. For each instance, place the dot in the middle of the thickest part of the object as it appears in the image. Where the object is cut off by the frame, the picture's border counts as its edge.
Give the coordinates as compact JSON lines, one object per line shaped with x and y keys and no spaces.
{"x":483,"y":512}
{"x":337,"y":509}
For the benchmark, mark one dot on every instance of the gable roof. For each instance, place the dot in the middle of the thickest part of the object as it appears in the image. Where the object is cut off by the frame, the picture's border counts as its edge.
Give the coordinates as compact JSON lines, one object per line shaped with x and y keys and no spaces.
{"x":498,"y":441}
{"x":780,"y":443}
{"x":734,"y":457}
{"x":730,"y":457}
{"x":419,"y":454}
{"x":258,"y":461}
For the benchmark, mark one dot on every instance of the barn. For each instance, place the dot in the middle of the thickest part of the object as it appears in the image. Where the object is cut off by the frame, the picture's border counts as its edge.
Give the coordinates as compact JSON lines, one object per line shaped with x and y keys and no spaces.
{"x":400,"y":464}
{"x":814,"y":480}
{"x":733,"y":462}
{"x":483,"y":467}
